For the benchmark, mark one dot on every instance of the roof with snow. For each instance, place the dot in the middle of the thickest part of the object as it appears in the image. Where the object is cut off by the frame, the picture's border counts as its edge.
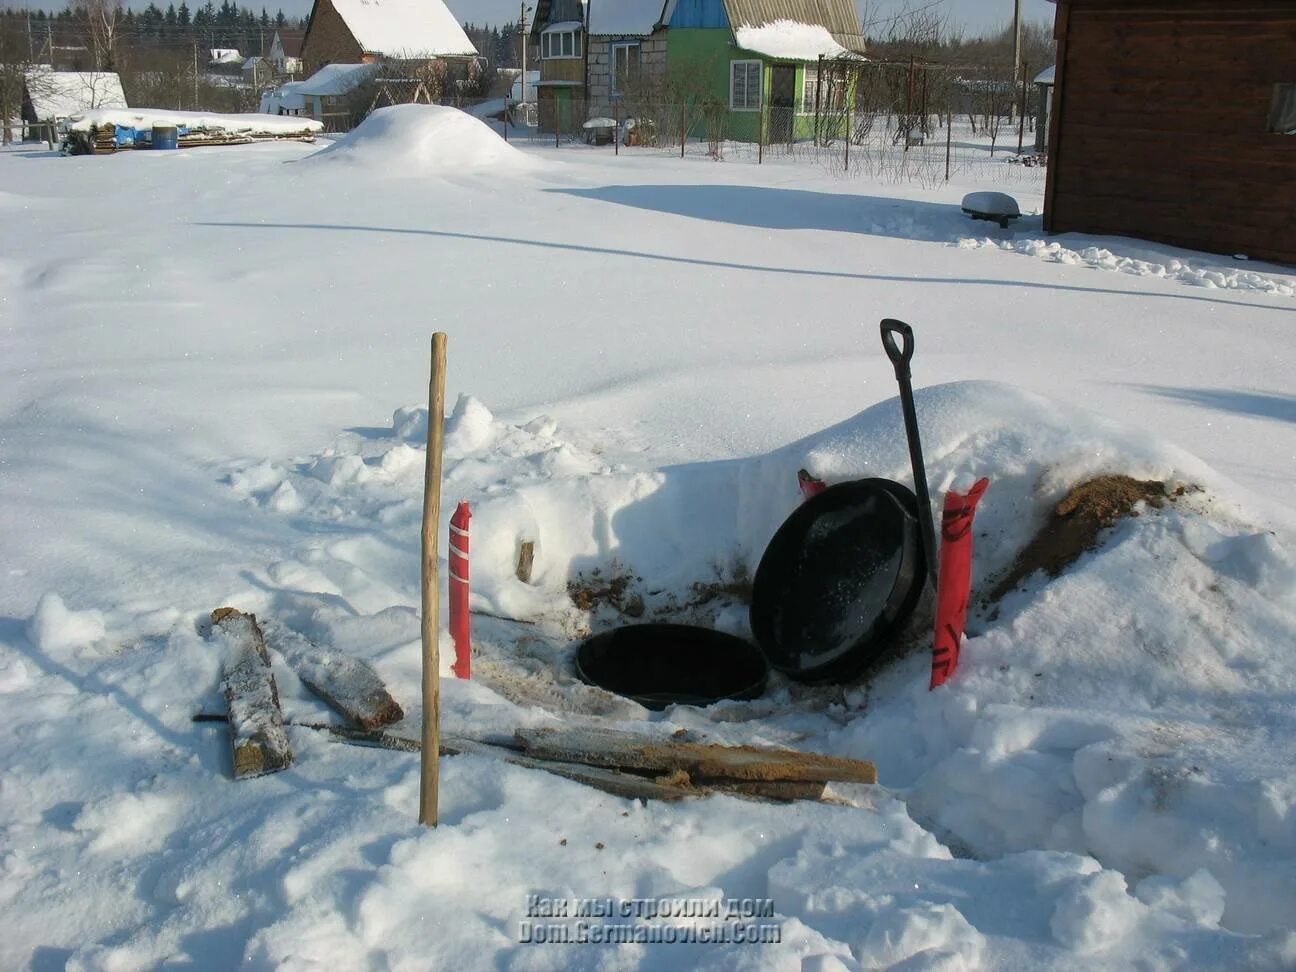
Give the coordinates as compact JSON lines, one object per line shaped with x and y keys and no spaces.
{"x":61,"y":94}
{"x":625,"y":18}
{"x":1046,"y":76}
{"x":789,"y":40}
{"x":287,"y":97}
{"x":335,"y":79}
{"x":405,"y":28}
{"x":838,"y":17}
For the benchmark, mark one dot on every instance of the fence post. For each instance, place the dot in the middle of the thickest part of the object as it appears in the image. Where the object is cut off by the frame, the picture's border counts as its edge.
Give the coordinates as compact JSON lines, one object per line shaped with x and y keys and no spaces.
{"x":949,"y":128}
{"x":818,"y":82}
{"x":1021,"y":112}
{"x":616,"y":131}
{"x":506,"y":117}
{"x":760,"y":135}
{"x":683,"y":127}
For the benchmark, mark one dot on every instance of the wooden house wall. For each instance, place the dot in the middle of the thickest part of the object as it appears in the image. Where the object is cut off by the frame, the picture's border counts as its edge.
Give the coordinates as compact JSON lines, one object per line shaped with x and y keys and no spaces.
{"x":329,"y":40}
{"x":1160,"y":111}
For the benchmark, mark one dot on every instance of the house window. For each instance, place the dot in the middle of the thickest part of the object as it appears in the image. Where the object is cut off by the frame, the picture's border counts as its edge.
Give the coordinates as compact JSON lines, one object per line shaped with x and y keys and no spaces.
{"x":1282,"y":110}
{"x":832,"y":91}
{"x":625,"y":66}
{"x":745,"y":85}
{"x":560,"y":43}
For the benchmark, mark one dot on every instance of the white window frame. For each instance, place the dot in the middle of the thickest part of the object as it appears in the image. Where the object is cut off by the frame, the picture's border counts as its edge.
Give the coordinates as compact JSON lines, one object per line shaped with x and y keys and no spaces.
{"x":552,"y":41}
{"x":808,"y":80}
{"x":626,"y":46}
{"x":760,"y":84}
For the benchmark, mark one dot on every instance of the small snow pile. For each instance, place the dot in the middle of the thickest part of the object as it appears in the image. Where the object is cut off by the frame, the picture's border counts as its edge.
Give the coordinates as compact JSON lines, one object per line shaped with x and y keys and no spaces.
{"x":1101,"y":258}
{"x":54,"y":628}
{"x":411,"y":140}
{"x":788,"y":38}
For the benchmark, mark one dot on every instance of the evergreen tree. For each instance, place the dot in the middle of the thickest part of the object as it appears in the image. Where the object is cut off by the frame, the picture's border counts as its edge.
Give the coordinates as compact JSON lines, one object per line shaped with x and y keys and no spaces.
{"x":280,"y":20}
{"x":182,"y":15}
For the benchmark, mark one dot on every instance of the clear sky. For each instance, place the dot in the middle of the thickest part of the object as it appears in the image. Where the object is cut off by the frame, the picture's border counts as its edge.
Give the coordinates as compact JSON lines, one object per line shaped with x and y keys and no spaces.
{"x":976,"y":16}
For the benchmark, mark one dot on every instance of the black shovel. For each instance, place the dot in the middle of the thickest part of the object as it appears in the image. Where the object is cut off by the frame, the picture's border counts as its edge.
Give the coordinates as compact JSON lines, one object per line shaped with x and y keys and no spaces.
{"x":900,"y":356}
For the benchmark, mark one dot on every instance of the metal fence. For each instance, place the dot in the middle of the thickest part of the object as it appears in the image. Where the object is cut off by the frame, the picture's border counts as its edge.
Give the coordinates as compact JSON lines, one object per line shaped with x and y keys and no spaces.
{"x":884,"y":146}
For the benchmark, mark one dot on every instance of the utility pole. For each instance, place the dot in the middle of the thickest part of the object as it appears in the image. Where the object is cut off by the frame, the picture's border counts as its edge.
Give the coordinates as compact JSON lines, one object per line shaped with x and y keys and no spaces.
{"x":1017,"y":67}
{"x":523,"y":99}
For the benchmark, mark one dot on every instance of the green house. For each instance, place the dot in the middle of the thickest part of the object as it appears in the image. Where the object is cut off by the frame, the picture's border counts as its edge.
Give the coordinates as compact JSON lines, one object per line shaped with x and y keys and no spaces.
{"x":752,"y":63}
{"x":760,"y":60}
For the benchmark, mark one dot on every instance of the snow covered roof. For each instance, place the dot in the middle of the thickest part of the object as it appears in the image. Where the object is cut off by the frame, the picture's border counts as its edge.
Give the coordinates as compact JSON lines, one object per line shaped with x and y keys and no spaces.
{"x":225,"y":55}
{"x":405,"y":28}
{"x":141,"y":118}
{"x":564,"y":25}
{"x":61,"y":94}
{"x":788,"y":39}
{"x":627,"y":18}
{"x":838,"y":17}
{"x":335,"y":79}
{"x":1046,"y":76}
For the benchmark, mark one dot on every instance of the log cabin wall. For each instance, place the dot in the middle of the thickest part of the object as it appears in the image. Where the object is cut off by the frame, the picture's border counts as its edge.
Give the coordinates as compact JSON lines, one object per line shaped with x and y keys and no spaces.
{"x":1161,"y":117}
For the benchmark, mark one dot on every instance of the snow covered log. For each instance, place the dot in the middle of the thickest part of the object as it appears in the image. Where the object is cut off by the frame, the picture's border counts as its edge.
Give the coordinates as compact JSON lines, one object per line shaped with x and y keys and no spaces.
{"x":604,"y":747}
{"x":349,"y":685}
{"x":257,"y":735}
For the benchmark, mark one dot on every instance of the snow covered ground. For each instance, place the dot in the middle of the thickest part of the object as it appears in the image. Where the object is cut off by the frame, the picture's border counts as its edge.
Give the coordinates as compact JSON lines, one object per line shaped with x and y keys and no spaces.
{"x":213,"y":370}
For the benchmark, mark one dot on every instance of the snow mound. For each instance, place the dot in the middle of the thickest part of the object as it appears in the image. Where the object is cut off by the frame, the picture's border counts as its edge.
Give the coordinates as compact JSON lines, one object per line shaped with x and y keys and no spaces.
{"x":410,"y":140}
{"x":54,"y":628}
{"x":1131,"y":709}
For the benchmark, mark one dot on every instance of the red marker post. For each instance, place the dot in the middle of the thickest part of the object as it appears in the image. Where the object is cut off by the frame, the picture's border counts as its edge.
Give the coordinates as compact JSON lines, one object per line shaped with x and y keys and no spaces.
{"x":955,"y":581}
{"x":460,"y":625}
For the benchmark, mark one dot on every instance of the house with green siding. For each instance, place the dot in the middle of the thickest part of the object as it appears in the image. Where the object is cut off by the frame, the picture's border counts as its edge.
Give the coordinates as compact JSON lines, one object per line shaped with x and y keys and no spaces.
{"x":753,"y":63}
{"x":760,"y":59}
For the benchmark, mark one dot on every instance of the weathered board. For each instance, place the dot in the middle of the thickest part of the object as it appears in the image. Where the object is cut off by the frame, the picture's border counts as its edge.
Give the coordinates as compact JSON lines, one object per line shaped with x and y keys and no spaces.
{"x":605,"y":747}
{"x":257,"y":737}
{"x":349,"y":685}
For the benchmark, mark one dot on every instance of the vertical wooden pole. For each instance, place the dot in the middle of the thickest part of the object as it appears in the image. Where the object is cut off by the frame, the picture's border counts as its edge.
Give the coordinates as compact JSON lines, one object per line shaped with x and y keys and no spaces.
{"x":429,"y":777}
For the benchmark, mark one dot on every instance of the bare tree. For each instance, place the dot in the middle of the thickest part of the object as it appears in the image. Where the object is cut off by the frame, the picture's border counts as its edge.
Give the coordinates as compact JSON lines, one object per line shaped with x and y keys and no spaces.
{"x":103,"y":18}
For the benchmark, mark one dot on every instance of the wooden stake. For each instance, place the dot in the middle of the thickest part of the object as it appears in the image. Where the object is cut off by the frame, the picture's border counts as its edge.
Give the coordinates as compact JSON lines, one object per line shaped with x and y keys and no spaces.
{"x":526,"y":559}
{"x":431,"y":589}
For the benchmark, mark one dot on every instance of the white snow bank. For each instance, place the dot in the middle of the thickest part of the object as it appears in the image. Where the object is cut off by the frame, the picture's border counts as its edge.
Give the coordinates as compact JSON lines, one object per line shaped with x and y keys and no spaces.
{"x":409,"y":140}
{"x":143,"y":118}
{"x":789,"y":39}
{"x":1173,"y":268}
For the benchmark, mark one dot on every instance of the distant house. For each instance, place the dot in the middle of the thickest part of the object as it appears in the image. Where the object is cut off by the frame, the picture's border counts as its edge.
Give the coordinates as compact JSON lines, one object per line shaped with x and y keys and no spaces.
{"x":224,"y":57}
{"x":285,"y":52}
{"x":257,"y":71}
{"x":365,"y":31}
{"x":626,"y":56}
{"x":1175,"y":120}
{"x":55,"y":96}
{"x":328,"y":95}
{"x":754,"y":61}
{"x":760,"y":59}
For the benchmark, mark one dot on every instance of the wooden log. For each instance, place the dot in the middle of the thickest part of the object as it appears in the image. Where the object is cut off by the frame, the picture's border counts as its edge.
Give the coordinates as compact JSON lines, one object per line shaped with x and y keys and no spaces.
{"x":604,"y":747}
{"x":257,"y":737}
{"x":349,"y":685}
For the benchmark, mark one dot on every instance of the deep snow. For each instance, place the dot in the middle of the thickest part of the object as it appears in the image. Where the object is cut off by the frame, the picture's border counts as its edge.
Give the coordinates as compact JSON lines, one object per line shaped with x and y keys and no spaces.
{"x":223,"y":408}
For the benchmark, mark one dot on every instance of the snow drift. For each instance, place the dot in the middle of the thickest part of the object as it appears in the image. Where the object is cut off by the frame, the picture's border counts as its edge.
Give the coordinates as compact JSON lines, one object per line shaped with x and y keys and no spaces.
{"x":411,"y":140}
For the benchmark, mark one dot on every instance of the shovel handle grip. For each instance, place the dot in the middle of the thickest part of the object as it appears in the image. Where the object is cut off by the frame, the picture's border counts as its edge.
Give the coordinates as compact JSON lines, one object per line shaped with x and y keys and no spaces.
{"x":898,"y":353}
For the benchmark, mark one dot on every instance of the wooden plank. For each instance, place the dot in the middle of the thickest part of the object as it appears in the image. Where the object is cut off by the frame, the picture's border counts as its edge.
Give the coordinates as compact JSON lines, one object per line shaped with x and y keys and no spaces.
{"x":349,"y":685}
{"x":258,"y":740}
{"x":605,"y":747}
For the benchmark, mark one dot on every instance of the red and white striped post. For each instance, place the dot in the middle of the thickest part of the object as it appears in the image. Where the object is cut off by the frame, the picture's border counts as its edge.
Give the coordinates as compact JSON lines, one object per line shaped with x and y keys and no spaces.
{"x":460,"y":626}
